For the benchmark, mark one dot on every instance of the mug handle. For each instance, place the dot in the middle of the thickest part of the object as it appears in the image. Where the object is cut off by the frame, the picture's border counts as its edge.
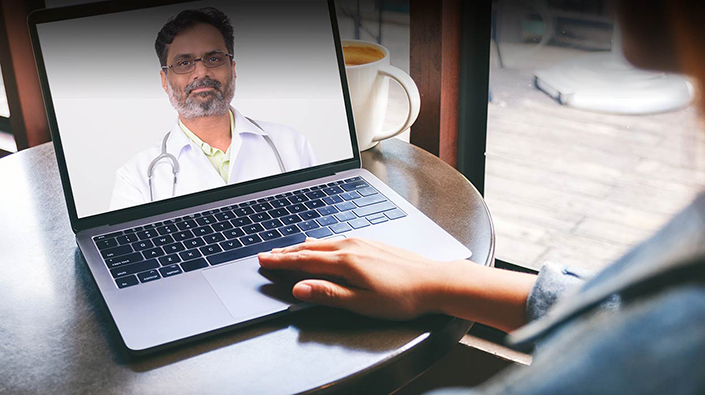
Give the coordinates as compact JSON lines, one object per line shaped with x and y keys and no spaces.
{"x":412,"y":94}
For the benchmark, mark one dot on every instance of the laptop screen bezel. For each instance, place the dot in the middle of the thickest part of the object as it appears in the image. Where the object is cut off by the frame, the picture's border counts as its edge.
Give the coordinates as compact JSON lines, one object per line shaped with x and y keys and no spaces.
{"x":179,"y":202}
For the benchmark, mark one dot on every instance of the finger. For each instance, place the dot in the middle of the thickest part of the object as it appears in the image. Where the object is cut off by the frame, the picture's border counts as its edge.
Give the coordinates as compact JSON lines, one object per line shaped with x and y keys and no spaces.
{"x":312,"y":262}
{"x":326,"y":293}
{"x":310,"y":244}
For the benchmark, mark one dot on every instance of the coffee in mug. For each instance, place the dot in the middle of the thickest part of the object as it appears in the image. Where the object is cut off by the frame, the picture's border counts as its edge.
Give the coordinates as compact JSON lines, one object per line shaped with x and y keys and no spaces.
{"x":357,"y":55}
{"x":368,"y":70}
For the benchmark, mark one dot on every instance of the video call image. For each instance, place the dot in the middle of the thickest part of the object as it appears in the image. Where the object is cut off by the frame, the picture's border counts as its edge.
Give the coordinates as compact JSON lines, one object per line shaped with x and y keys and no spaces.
{"x":173,"y":100}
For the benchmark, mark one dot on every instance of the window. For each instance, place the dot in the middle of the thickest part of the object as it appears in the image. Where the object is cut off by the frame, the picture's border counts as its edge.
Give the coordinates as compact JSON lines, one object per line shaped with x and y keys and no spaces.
{"x":571,"y":179}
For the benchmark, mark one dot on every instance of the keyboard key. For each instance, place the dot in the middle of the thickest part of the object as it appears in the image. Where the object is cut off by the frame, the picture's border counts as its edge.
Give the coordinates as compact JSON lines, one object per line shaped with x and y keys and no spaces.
{"x":262,"y":207}
{"x":134,"y":268}
{"x":131,"y":230}
{"x":243,"y":211}
{"x":172,"y":248}
{"x":230,"y":244}
{"x":251,"y":239}
{"x":147,"y":234}
{"x":185,"y":225}
{"x":107,"y":243}
{"x":221,"y":226}
{"x":108,"y":236}
{"x":168,"y":229}
{"x":351,"y":186}
{"x":310,"y":215}
{"x":271,"y":224}
{"x":297,"y":208}
{"x":207,"y":220}
{"x":116,"y":251}
{"x":210,"y":212}
{"x":374,"y":209}
{"x":161,"y":240}
{"x":193,"y":243}
{"x":319,"y":233}
{"x":349,"y":195}
{"x":153,"y":252}
{"x":370,"y":200}
{"x":279,"y":202}
{"x":169,"y":260}
{"x":340,"y":228}
{"x":124,"y":282}
{"x":315,"y":204}
{"x":327,"y":210}
{"x":316,"y":195}
{"x":148,"y":276}
{"x":225,"y":216}
{"x":308,"y":225}
{"x":270,"y":234}
{"x":291,"y":219}
{"x":181,"y":236}
{"x":211,"y":249}
{"x":345,"y":206}
{"x":334,"y":190}
{"x":289,"y":230}
{"x":278,"y":212}
{"x":326,"y":221}
{"x":250,"y":229}
{"x":241,"y":222}
{"x":297,"y":199}
{"x":394,"y":214}
{"x":367,"y":191}
{"x":233,"y":233}
{"x":332,"y":199}
{"x":259,"y":217}
{"x":346,"y":216}
{"x":377,"y":219}
{"x":194,"y":264}
{"x":188,"y":255}
{"x":171,"y":270}
{"x":211,"y":239}
{"x":142,"y":245}
{"x":256,"y":248}
{"x":353,"y":179}
{"x":124,"y":260}
{"x":127,"y":239}
{"x":203,"y":230}
{"x":359,"y":223}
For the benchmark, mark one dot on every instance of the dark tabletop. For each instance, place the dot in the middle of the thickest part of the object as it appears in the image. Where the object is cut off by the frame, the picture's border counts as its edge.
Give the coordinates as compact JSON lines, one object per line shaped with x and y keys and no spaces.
{"x":57,"y":336}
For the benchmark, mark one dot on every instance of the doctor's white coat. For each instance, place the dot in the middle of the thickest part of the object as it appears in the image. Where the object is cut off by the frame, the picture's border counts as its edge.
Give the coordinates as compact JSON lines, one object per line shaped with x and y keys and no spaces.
{"x":251,"y":157}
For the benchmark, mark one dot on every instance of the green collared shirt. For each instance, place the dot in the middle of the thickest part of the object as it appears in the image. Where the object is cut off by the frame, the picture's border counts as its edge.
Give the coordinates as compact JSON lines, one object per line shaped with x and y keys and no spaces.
{"x":219,"y":159}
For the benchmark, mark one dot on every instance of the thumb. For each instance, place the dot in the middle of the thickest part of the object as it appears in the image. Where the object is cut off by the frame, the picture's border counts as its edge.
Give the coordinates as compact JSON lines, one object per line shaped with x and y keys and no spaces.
{"x":324,"y":292}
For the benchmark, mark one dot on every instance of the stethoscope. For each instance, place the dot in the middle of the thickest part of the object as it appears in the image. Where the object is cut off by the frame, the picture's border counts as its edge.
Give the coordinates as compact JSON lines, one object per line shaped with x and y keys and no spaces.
{"x":175,"y":162}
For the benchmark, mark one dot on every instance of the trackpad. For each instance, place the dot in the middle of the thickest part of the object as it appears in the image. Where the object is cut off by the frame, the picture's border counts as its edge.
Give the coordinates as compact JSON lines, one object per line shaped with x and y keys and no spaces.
{"x":246,"y":293}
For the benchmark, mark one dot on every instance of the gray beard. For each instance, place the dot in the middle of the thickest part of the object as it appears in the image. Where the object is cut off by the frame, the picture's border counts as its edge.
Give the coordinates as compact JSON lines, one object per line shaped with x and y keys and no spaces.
{"x":204,"y":104}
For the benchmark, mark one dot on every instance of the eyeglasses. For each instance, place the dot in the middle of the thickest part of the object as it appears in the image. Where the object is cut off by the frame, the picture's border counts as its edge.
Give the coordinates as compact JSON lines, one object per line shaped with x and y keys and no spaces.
{"x":186,"y":65}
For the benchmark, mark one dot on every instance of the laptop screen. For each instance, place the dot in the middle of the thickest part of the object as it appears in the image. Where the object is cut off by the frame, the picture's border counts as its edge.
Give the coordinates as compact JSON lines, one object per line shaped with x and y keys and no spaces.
{"x":177,"y":99}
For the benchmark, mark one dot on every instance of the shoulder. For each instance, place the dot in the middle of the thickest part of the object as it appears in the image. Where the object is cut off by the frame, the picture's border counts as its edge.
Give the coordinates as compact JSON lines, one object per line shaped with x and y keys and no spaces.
{"x":281,"y":131}
{"x":140,"y":162}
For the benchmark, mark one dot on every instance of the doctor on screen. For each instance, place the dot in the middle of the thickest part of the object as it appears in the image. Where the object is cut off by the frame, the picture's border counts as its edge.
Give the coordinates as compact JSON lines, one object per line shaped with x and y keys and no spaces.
{"x":211,"y":144}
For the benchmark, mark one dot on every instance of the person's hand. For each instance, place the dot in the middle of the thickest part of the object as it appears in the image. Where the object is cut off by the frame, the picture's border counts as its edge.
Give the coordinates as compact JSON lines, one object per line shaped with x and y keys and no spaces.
{"x":363,"y":276}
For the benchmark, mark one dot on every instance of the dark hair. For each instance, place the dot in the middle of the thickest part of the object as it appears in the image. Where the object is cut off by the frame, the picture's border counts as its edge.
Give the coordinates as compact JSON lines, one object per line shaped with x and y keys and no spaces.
{"x":187,"y":19}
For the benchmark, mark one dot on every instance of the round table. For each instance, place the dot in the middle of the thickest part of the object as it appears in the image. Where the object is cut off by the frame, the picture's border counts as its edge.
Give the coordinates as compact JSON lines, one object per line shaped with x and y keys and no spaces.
{"x":57,"y":335}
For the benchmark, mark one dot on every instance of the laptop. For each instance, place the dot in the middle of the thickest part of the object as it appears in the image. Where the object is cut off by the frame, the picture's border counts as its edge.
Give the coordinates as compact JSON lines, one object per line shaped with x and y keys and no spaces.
{"x":171,"y":240}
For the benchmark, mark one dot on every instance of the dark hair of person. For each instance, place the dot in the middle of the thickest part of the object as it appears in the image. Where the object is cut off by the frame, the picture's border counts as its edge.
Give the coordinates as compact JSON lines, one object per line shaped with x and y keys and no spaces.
{"x":187,"y":19}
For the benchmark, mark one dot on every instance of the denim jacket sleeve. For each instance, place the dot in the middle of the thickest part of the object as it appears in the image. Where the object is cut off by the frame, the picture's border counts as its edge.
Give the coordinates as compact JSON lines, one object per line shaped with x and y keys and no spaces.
{"x":552,"y":284}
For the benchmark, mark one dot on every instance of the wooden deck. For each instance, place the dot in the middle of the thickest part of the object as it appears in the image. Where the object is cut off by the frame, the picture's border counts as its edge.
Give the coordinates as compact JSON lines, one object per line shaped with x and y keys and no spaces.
{"x":581,"y":188}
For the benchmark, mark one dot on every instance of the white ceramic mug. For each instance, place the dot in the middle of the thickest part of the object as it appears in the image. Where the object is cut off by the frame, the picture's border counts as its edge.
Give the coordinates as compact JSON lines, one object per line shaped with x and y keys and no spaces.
{"x":369,"y":93}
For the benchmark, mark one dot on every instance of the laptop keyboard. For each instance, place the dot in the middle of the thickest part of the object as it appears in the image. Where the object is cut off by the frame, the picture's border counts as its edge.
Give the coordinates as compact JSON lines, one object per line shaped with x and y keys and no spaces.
{"x":212,"y":237}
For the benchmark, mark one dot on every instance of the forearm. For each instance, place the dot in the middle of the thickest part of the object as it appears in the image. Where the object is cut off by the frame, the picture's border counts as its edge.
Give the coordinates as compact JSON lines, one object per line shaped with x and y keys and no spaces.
{"x":487,"y":295}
